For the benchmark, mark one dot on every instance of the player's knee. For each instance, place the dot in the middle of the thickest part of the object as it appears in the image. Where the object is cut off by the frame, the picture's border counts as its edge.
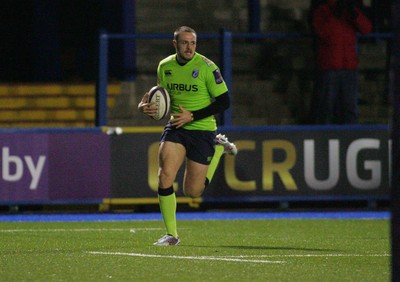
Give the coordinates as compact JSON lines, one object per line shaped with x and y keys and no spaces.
{"x":166,"y":179}
{"x":194,"y":191}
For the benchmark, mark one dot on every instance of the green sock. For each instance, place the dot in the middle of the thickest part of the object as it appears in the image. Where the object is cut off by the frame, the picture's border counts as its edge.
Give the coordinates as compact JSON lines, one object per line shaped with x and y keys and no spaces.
{"x":168,"y":211}
{"x":219,"y":151}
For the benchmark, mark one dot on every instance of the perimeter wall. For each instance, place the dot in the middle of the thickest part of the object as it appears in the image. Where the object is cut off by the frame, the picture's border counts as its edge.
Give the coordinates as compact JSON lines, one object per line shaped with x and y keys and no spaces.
{"x":44,"y":166}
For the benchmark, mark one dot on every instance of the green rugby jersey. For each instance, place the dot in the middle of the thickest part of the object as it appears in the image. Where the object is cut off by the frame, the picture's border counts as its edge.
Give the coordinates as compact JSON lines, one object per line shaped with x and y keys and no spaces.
{"x":192,"y":86}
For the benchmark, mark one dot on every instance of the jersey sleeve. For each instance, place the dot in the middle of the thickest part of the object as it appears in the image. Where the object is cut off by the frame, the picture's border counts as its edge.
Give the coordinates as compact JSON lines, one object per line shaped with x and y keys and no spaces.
{"x":215,"y":82}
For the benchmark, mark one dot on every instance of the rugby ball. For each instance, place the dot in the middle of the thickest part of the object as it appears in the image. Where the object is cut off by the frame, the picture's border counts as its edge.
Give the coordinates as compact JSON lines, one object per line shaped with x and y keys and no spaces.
{"x":160,"y":97}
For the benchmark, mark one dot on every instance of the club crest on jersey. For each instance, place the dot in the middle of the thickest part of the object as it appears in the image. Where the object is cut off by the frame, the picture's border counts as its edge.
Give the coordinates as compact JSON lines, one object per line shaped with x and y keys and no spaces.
{"x":218,"y":76}
{"x":195,"y":73}
{"x":168,"y":72}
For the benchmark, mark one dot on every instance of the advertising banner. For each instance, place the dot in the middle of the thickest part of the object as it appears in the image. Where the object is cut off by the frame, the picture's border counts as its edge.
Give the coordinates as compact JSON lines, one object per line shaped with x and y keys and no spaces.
{"x":40,"y":166}
{"x":284,"y":162}
{"x":290,"y":162}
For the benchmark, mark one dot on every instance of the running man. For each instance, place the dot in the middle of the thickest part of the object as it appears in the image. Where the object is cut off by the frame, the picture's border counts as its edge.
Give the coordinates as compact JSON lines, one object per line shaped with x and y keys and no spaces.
{"x":198,"y":92}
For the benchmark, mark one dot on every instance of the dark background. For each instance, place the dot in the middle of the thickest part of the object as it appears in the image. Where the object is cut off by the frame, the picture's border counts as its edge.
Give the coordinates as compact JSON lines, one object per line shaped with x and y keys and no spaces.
{"x":57,"y":40}
{"x":54,"y":40}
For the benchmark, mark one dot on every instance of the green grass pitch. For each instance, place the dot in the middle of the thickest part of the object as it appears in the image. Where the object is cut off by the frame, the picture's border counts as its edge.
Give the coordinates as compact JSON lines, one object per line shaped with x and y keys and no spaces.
{"x":211,"y":250}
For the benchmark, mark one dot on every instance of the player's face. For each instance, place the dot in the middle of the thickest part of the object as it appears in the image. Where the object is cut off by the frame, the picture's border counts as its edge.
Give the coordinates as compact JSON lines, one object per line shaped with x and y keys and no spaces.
{"x":185,"y":46}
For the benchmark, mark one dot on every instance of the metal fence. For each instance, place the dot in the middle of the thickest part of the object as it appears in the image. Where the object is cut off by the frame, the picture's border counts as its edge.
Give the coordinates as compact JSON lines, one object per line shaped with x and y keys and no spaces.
{"x":227,"y":42}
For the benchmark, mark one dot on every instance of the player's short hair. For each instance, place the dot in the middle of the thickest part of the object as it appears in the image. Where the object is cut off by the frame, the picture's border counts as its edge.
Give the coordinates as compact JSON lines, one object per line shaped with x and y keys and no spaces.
{"x":183,"y":29}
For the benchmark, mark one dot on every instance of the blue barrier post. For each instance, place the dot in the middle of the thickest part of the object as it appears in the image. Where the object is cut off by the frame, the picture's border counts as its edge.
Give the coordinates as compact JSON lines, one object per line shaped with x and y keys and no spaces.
{"x":226,"y":58}
{"x":101,"y":93}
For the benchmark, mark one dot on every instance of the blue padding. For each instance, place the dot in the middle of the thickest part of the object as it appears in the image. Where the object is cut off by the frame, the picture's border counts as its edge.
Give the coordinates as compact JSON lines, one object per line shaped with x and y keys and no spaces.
{"x":368,"y":215}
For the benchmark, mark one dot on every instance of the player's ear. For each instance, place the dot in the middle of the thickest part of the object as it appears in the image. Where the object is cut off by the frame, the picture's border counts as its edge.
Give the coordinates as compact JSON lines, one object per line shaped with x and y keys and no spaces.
{"x":174,"y":43}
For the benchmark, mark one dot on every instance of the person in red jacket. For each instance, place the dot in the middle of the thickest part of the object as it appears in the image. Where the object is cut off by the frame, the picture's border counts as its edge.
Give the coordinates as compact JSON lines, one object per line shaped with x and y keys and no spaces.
{"x":335,"y":25}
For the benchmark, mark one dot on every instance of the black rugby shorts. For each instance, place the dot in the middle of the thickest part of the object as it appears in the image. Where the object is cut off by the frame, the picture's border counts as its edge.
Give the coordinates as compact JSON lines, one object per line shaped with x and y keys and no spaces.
{"x":199,"y":144}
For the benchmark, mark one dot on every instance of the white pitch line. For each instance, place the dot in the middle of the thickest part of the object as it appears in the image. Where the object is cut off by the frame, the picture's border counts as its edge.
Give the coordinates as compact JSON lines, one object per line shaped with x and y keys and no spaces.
{"x":132,"y":230}
{"x":316,"y":255}
{"x":186,"y":257}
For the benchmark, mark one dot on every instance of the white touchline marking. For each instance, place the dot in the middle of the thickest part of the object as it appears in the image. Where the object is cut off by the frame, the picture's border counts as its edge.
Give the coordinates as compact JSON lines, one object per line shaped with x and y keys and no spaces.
{"x":316,"y":255}
{"x":186,"y":257}
{"x":132,"y":230}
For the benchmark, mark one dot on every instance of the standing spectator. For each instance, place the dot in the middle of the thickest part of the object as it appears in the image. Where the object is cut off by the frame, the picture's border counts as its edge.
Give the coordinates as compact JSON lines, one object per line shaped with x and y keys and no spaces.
{"x":336,"y":24}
